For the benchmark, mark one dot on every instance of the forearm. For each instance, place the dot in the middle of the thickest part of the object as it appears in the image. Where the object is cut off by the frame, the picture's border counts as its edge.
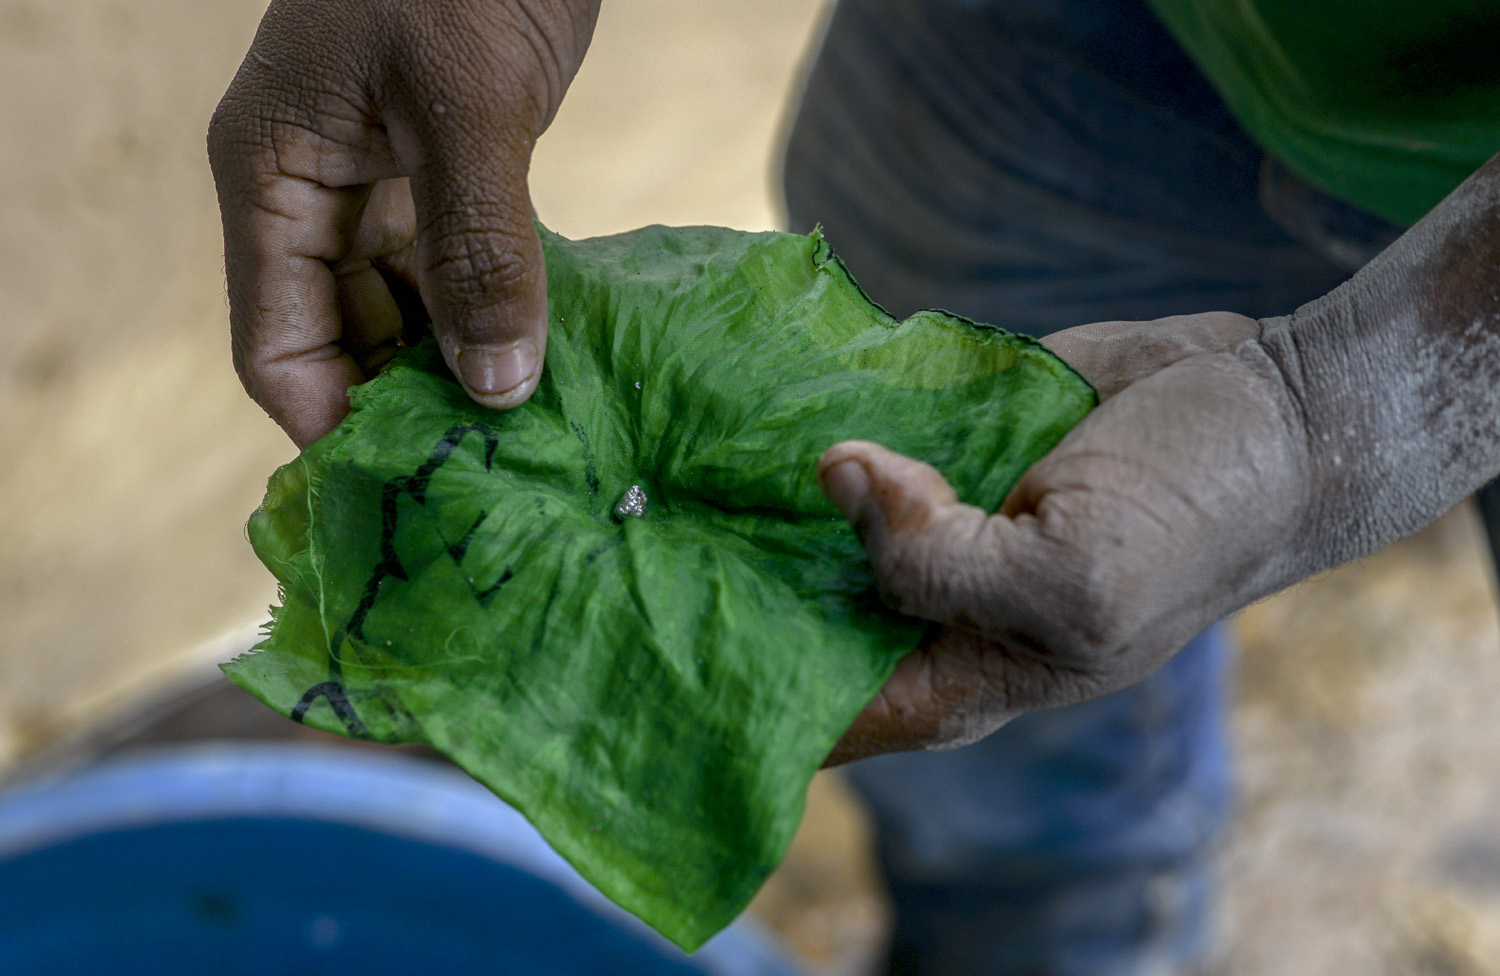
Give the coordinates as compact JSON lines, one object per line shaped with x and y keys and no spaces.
{"x":1396,"y":377}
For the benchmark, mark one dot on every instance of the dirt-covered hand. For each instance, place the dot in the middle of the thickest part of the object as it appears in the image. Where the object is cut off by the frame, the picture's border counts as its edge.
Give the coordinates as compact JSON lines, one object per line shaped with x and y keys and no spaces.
{"x":1228,"y":458}
{"x":372,"y":151}
{"x":1167,"y":507}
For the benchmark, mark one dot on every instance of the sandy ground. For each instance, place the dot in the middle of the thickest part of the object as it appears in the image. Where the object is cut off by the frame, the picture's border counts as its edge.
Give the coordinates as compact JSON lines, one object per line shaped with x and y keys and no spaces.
{"x":1369,"y":834}
{"x":1367,"y":841}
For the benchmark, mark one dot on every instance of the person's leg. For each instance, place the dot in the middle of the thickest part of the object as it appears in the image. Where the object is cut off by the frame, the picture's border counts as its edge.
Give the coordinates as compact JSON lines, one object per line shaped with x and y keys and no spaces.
{"x":1039,"y":164}
{"x":1072,"y":841}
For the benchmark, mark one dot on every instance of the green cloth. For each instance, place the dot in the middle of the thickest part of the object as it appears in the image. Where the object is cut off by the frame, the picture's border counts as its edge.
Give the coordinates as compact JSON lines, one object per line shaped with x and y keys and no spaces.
{"x":1388,"y":104}
{"x":653,"y":692}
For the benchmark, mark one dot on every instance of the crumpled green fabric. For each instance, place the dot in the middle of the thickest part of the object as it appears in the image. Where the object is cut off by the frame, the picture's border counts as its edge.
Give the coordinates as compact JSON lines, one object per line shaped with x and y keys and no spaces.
{"x":1388,"y":104}
{"x":654,"y":693}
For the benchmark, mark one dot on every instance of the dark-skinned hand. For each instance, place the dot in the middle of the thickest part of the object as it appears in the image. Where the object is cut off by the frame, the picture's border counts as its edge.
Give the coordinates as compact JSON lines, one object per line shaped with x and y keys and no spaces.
{"x":370,"y":157}
{"x":1228,"y":458}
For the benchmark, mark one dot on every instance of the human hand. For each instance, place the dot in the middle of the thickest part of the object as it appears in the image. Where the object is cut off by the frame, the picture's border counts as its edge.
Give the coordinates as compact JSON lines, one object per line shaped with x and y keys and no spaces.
{"x":1228,"y":459}
{"x":1179,"y":499}
{"x":369,"y":151}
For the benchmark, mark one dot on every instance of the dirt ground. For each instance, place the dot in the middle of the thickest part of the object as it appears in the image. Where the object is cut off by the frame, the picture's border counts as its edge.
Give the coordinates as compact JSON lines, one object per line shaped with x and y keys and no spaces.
{"x":1368,"y":839}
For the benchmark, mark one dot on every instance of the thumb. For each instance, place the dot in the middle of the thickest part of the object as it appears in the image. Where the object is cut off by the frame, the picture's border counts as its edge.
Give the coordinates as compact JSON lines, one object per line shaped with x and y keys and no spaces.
{"x":1020,"y":630}
{"x":465,"y":93}
{"x":1016,"y":580}
{"x":929,"y":550}
{"x":482,"y":274}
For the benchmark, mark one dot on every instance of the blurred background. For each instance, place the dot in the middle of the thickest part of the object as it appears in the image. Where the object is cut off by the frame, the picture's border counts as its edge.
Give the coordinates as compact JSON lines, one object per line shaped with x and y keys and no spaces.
{"x":1368,"y":838}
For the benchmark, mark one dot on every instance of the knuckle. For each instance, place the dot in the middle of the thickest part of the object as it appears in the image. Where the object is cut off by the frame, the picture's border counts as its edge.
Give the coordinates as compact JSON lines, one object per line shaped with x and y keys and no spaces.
{"x":218,"y":132}
{"x":230,"y":135}
{"x":476,"y":268}
{"x":248,"y":362}
{"x":937,"y":561}
{"x":1102,"y":619}
{"x":1093,"y":609}
{"x":908,"y":578}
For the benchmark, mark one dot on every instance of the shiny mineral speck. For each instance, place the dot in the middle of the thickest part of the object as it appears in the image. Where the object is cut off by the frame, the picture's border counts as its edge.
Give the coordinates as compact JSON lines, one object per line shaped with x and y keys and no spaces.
{"x":632,"y":504}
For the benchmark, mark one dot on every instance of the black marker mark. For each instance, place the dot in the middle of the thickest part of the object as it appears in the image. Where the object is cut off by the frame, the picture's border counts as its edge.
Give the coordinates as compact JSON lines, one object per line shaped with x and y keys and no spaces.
{"x":399,"y":717}
{"x":415,"y":485}
{"x":485,"y":596}
{"x":338,"y":701}
{"x":389,"y":567}
{"x":457,"y":550}
{"x":590,"y":476}
{"x":601,"y":549}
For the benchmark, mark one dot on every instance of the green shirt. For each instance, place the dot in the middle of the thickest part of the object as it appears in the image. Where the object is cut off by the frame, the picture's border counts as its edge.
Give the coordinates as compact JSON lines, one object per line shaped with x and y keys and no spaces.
{"x":1388,"y":104}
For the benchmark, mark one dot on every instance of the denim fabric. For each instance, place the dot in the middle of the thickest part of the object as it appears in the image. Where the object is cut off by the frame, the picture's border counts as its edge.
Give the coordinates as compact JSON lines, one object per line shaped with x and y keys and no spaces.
{"x":1073,"y":841}
{"x":1137,"y":778}
{"x":1037,"y":164}
{"x":1040,"y":164}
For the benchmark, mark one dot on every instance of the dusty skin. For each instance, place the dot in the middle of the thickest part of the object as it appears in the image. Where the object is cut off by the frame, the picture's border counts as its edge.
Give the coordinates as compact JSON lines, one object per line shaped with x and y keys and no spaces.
{"x":1366,"y":841}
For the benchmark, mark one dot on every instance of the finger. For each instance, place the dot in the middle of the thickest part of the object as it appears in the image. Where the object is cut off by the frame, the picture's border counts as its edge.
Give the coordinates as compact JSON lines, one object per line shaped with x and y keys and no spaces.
{"x":928,"y":549}
{"x":303,"y":329}
{"x":388,"y":223}
{"x":291,"y":201}
{"x":1032,"y":620}
{"x":947,"y":693}
{"x":1113,"y":355}
{"x":483,"y":279}
{"x":388,"y":239}
{"x":373,"y":308}
{"x":370,"y":319}
{"x":937,"y":558}
{"x":1023,"y":582}
{"x":292,"y":156}
{"x":284,"y":302}
{"x":479,"y":261}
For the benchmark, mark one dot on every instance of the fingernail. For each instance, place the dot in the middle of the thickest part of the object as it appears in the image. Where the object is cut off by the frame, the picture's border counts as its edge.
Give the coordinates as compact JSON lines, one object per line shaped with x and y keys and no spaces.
{"x":846,"y":484}
{"x":489,"y":372}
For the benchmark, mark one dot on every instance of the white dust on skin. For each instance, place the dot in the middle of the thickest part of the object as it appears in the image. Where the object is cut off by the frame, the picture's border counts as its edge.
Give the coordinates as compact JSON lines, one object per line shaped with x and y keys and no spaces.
{"x":1394,"y":374}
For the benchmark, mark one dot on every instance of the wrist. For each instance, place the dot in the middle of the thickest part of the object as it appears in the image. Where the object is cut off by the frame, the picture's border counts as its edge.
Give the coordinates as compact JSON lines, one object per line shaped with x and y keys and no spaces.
{"x":1395,"y":378}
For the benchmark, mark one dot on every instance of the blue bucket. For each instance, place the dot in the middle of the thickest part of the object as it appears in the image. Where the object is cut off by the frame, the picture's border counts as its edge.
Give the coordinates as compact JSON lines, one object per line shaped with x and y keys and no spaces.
{"x":263,"y":858}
